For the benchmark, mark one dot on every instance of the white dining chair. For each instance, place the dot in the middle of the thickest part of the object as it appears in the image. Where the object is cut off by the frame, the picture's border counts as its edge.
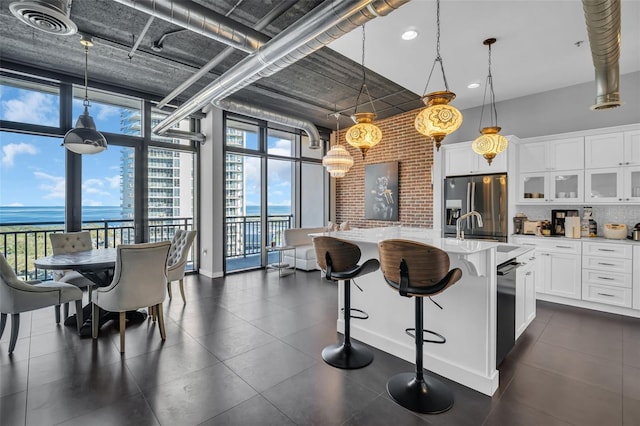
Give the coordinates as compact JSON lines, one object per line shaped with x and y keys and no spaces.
{"x":17,"y":296}
{"x":139,"y":280}
{"x":71,"y":242}
{"x":178,"y":256}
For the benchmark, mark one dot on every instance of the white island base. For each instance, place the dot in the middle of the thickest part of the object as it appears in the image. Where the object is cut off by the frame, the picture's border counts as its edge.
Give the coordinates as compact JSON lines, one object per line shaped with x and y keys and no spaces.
{"x":468,"y":320}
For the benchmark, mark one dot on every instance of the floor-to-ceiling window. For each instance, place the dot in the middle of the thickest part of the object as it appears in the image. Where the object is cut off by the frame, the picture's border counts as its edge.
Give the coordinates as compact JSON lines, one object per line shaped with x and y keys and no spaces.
{"x":265,"y":169}
{"x":123,"y":197}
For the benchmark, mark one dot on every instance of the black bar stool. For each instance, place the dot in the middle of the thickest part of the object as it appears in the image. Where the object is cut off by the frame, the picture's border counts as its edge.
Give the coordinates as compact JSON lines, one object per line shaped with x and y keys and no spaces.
{"x":418,"y":270}
{"x":338,"y":259}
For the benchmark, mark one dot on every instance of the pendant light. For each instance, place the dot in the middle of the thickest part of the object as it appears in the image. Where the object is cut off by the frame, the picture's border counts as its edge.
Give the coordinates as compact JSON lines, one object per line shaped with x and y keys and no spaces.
{"x":490,"y":142}
{"x":364,"y":135}
{"x":338,"y":161}
{"x":84,"y":138}
{"x":439,"y":118}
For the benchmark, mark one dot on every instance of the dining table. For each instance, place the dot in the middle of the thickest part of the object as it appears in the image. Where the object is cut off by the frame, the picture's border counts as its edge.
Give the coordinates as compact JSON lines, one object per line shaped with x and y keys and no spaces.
{"x":96,"y":265}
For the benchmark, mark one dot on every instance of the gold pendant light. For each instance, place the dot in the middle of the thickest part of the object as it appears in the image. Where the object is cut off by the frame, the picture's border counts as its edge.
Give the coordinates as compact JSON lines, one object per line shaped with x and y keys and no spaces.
{"x":438,"y":119}
{"x":364,"y":135}
{"x":338,"y":161}
{"x":490,"y":143}
{"x":84,"y":138}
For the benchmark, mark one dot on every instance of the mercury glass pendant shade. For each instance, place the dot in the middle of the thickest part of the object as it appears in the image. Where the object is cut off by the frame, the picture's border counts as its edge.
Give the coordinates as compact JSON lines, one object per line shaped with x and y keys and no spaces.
{"x":490,"y":143}
{"x":84,"y":138}
{"x":364,"y":135}
{"x":438,"y":119}
{"x":338,"y":161}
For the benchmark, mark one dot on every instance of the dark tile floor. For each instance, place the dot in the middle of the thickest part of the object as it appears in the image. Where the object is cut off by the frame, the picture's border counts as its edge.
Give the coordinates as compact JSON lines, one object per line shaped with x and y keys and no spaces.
{"x":245,"y":350}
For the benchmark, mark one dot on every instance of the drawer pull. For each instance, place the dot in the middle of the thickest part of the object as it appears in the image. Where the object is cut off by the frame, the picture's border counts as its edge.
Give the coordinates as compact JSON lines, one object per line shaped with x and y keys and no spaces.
{"x":600,"y":249}
{"x":606,"y":278}
{"x":567,"y":247}
{"x":606,"y":264}
{"x":605,"y":294}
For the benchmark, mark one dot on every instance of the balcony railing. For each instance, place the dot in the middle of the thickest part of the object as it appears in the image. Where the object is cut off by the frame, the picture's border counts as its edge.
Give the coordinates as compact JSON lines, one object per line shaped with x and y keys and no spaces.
{"x":244,"y":233}
{"x":22,"y":243}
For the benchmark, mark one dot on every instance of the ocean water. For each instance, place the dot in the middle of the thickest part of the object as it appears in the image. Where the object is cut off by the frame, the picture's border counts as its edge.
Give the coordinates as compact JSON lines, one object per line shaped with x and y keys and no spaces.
{"x":52,"y":214}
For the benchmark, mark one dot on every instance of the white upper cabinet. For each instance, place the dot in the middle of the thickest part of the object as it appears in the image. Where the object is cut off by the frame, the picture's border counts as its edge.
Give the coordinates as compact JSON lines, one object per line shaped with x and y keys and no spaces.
{"x":460,"y":159}
{"x":612,"y":150}
{"x":555,"y":155}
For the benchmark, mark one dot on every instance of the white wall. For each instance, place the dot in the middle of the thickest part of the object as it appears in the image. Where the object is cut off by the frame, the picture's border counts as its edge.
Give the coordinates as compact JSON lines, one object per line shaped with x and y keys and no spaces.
{"x":557,"y":111}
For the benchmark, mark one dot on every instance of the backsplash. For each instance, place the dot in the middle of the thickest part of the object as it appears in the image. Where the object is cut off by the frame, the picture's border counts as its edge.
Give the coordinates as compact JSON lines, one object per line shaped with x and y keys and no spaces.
{"x":629,"y":215}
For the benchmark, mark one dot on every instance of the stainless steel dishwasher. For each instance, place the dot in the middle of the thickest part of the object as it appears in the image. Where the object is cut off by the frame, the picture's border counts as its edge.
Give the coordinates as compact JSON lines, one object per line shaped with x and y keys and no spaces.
{"x":506,"y":322}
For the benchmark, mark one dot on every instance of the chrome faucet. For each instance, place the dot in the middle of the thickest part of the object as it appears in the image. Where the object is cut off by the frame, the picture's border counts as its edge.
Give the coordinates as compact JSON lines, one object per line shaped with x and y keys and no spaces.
{"x":460,"y":232}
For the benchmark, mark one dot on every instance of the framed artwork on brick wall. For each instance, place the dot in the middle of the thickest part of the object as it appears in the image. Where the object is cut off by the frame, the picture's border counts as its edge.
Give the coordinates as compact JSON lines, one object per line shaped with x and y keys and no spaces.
{"x":381,"y":191}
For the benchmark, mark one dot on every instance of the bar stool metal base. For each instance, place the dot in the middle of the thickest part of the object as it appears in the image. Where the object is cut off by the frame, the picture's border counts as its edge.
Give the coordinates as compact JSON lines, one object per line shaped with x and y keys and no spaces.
{"x":347,"y":357}
{"x":430,"y":396}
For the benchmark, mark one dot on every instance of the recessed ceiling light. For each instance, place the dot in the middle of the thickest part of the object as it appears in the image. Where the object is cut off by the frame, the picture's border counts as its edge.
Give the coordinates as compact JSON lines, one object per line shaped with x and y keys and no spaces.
{"x":409,"y":35}
{"x":473,"y":86}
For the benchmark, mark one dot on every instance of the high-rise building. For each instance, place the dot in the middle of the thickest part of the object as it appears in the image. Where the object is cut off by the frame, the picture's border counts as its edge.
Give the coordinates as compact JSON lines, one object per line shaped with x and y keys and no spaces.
{"x":234,"y":191}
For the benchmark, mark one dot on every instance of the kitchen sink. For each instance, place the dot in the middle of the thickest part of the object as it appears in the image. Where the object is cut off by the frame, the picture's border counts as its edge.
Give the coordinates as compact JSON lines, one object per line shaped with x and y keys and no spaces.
{"x":504,"y":248}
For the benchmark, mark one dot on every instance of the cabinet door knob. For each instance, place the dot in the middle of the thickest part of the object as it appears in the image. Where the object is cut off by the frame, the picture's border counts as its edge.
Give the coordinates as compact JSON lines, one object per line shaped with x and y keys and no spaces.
{"x":619,"y":199}
{"x":627,"y":163}
{"x":620,"y":164}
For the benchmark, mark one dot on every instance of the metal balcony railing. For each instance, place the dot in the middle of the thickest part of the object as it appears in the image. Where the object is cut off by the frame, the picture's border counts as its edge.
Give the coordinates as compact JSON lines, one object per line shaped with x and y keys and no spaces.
{"x":22,"y":243}
{"x":244,"y":234}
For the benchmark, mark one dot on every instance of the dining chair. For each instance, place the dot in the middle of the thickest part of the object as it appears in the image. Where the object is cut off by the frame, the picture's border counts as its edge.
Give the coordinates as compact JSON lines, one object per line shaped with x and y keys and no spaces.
{"x":139,"y":280}
{"x":71,"y":242}
{"x":178,"y":256}
{"x":17,"y":296}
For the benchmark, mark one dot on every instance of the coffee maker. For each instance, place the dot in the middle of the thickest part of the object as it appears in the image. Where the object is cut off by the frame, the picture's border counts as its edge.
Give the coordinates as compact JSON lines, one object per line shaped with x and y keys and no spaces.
{"x":557,"y":220}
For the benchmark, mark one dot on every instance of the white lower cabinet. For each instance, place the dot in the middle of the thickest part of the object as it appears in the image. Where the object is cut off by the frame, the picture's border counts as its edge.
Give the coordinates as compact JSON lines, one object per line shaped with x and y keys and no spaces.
{"x":636,"y":277}
{"x":606,"y":277}
{"x":525,"y":292}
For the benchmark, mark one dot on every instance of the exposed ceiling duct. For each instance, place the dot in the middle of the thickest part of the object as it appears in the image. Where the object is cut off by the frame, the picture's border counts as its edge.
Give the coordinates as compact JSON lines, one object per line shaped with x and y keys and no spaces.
{"x":201,"y":20}
{"x":603,"y":25}
{"x":327,"y":22}
{"x":51,"y":16}
{"x":274,"y":117}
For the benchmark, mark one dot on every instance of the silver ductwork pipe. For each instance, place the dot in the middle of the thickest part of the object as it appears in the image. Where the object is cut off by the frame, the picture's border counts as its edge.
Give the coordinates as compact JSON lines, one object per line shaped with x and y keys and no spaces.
{"x":274,"y":117}
{"x":603,"y":25}
{"x":327,"y":22}
{"x":182,"y":134}
{"x":201,"y":20}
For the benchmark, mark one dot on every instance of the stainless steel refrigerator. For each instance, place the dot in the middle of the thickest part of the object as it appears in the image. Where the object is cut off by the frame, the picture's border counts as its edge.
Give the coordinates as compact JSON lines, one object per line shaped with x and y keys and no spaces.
{"x":485,"y":194}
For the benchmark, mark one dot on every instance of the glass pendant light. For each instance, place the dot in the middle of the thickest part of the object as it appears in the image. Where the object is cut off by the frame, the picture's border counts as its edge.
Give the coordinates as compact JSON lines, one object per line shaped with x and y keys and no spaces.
{"x":490,"y":142}
{"x":364,"y":135}
{"x":84,"y":138}
{"x":438,"y":119}
{"x":338,"y":161}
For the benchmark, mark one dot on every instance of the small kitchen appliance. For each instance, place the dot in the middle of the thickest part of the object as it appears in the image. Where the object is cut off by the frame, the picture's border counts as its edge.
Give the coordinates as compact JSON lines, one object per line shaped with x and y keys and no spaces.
{"x":615,"y":231}
{"x":635,"y":233}
{"x":558,"y":220}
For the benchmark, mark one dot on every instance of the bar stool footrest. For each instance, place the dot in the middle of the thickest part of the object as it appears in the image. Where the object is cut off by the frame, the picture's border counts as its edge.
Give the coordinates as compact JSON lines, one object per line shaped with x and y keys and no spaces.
{"x":363,"y":315}
{"x":347,"y":357}
{"x":429,"y":396}
{"x":441,"y":340}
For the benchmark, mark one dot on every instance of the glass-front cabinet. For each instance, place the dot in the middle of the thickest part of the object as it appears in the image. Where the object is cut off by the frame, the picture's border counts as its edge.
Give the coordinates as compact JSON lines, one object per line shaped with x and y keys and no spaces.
{"x":632,"y":184}
{"x":604,"y":185}
{"x":566,"y":187}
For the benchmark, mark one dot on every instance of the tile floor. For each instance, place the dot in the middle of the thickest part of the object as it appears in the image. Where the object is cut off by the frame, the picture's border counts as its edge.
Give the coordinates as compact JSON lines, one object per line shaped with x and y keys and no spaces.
{"x":245,"y":350}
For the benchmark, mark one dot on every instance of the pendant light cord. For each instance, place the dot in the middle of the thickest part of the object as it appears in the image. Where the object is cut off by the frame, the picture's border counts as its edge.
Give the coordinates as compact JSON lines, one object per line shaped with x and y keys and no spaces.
{"x":438,"y":57}
{"x":363,"y":87}
{"x":86,"y":78}
{"x":492,"y":97}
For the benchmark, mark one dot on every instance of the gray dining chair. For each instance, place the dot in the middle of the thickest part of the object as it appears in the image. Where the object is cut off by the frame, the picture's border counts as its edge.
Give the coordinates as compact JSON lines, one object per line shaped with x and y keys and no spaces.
{"x":17,"y":296}
{"x":178,"y":257}
{"x":71,"y":242}
{"x":139,"y":281}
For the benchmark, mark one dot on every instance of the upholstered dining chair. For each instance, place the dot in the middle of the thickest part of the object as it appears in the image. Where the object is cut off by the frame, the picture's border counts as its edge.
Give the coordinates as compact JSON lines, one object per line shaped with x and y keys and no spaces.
{"x":71,"y":242}
{"x":139,"y":280}
{"x":178,"y":256}
{"x":17,"y":296}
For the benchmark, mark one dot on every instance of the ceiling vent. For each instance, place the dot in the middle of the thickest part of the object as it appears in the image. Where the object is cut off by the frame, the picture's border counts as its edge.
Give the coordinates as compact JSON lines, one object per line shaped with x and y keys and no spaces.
{"x":51,"y":16}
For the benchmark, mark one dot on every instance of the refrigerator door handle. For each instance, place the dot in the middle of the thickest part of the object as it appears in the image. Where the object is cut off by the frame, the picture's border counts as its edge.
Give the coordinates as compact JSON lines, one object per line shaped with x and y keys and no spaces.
{"x":468,"y":203}
{"x":473,"y":202}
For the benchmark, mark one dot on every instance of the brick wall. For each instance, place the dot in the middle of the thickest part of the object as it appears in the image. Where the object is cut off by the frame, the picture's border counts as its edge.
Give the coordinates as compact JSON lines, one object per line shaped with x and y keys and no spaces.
{"x":414,"y":154}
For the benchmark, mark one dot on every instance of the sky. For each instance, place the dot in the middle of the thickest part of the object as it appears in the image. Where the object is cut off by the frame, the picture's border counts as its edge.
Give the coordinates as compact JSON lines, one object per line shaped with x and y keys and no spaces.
{"x":32,"y":167}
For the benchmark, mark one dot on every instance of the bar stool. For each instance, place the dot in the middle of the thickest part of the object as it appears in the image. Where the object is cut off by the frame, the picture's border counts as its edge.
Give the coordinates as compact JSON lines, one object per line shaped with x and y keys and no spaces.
{"x":338,"y":260}
{"x":418,"y":270}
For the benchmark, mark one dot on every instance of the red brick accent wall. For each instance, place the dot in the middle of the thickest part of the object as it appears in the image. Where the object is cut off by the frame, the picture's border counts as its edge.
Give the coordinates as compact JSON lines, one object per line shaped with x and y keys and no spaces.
{"x":414,"y":154}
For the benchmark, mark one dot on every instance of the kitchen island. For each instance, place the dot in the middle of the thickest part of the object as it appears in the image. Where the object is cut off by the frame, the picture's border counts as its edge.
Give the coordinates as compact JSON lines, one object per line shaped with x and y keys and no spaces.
{"x":468,"y":320}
